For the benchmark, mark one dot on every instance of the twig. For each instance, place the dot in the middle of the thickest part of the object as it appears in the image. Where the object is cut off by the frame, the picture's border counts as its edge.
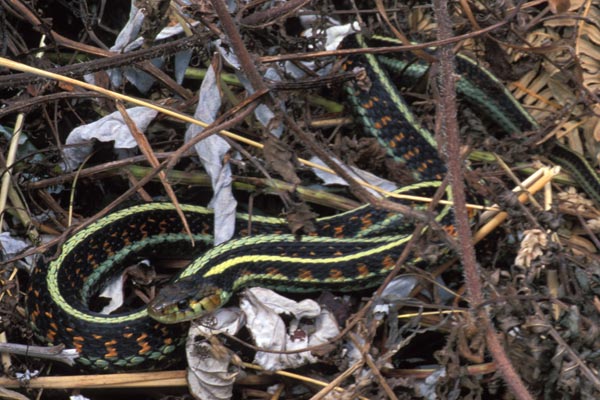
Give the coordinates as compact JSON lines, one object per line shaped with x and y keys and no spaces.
{"x":146,"y":149}
{"x":262,"y":19}
{"x":133,"y":380}
{"x":448,"y":127}
{"x":54,"y":353}
{"x":383,"y":49}
{"x":111,"y":60}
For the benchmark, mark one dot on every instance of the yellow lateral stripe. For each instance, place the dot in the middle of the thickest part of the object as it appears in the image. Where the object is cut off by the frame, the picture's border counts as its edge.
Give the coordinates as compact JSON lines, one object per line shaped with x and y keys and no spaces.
{"x":228,"y":264}
{"x":392,"y":92}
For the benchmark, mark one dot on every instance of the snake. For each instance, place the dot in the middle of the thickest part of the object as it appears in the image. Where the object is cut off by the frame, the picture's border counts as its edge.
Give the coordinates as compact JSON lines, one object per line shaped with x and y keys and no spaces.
{"x":349,"y":251}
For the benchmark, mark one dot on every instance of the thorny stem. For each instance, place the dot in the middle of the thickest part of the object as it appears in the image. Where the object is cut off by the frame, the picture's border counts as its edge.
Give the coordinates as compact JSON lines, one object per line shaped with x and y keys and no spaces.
{"x":448,"y":127}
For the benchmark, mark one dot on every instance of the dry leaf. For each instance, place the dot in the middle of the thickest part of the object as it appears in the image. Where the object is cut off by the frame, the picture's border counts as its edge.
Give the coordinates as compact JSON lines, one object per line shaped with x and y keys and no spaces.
{"x":281,"y":159}
{"x":559,"y":6}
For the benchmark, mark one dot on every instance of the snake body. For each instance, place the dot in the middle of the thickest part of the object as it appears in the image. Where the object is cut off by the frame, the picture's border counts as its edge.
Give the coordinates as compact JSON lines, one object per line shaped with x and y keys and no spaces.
{"x":349,"y":251}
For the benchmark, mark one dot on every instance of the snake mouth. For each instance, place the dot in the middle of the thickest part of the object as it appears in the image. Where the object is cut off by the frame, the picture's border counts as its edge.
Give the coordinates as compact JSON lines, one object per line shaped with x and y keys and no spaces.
{"x":178,"y":303}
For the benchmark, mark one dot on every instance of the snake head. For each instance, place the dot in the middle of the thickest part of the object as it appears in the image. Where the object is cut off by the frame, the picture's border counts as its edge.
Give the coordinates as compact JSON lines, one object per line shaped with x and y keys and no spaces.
{"x":185,"y":300}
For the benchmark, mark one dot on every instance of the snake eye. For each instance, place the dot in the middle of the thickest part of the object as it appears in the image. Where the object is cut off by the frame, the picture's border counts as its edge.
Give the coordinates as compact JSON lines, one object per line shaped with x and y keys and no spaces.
{"x":182,"y":304}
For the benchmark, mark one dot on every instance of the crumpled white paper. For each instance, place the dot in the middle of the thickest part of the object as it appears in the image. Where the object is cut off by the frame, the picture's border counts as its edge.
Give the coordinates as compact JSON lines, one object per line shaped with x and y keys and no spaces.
{"x":311,"y":326}
{"x":106,"y":129}
{"x":212,"y":151}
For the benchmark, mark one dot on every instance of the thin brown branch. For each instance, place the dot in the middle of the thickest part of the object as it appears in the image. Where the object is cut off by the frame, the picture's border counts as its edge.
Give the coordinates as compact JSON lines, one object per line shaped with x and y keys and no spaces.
{"x":448,"y":126}
{"x":146,"y":149}
{"x":262,"y":19}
